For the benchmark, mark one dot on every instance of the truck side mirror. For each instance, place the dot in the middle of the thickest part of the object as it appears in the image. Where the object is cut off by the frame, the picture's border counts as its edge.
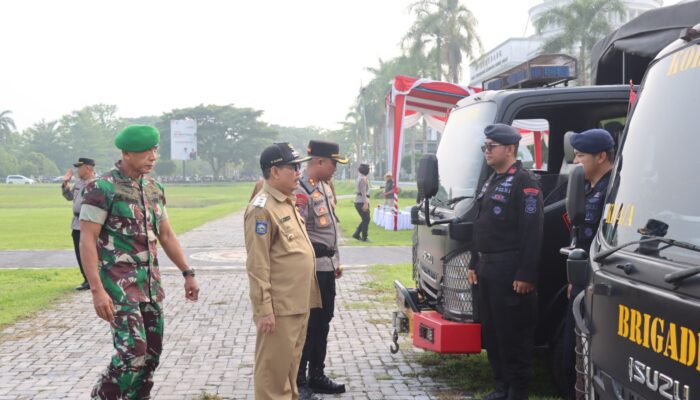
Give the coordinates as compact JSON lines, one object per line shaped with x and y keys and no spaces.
{"x":428,"y":177}
{"x":576,"y":196}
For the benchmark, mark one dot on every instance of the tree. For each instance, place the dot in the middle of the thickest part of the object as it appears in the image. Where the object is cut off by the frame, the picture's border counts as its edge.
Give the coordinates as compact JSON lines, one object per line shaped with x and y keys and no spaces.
{"x":45,"y":137}
{"x":165,"y":167}
{"x":444,"y":31}
{"x":89,"y":132}
{"x":7,"y":125}
{"x":225,"y":134}
{"x":8,"y":164}
{"x":583,"y":23}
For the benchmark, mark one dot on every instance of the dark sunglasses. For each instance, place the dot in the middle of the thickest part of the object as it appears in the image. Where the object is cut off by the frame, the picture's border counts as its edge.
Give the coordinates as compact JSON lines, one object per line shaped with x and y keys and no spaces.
{"x":488,"y":147}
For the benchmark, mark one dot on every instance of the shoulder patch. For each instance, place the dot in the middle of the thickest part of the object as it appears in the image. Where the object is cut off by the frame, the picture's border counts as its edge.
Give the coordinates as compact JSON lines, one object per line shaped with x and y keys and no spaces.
{"x":260,"y":201}
{"x":261,"y":227}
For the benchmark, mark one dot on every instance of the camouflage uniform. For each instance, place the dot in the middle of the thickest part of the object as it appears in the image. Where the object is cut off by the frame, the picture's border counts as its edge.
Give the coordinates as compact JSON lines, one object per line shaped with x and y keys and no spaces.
{"x":130,"y":212}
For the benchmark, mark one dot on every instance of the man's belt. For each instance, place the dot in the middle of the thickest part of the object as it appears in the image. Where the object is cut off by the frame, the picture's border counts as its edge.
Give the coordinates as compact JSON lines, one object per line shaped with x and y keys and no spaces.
{"x":321,"y":250}
{"x":504,"y":256}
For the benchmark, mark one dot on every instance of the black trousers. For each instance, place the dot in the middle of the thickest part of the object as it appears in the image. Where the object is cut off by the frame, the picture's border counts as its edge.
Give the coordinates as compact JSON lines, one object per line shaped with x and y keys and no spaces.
{"x":570,"y":344}
{"x":508,"y":322}
{"x":76,"y":245}
{"x":364,"y":225}
{"x":314,"y":353}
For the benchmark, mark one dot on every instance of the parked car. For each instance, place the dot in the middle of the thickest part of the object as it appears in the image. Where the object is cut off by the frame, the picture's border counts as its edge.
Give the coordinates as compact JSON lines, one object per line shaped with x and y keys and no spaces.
{"x":19,"y":179}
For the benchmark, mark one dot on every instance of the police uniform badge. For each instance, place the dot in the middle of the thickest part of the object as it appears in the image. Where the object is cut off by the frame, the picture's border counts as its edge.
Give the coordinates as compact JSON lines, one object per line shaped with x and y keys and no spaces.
{"x":261,"y":227}
{"x":531,"y":200}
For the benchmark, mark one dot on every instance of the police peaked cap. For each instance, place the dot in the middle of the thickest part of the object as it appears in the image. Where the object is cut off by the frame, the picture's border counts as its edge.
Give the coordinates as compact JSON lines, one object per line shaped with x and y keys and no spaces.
{"x":321,"y":148}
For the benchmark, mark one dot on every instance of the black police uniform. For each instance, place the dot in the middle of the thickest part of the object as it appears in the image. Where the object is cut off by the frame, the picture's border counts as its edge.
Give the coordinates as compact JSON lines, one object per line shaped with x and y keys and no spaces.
{"x":508,"y":236}
{"x":595,"y":204}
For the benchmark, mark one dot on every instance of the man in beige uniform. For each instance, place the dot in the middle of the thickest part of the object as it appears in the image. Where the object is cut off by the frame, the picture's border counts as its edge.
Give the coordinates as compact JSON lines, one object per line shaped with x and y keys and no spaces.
{"x":281,"y":270}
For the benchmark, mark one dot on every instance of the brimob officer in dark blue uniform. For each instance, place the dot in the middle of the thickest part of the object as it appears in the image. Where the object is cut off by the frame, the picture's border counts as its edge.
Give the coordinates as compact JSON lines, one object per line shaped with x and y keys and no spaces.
{"x":595,"y":151}
{"x":507,"y":241}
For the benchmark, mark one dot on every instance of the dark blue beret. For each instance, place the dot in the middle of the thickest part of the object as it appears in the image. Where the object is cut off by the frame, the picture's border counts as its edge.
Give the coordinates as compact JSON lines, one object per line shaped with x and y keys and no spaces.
{"x":502,"y":133}
{"x":592,"y":141}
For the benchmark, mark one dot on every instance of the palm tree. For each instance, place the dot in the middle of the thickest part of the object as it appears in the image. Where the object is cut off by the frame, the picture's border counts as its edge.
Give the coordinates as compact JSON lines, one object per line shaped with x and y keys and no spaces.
{"x":445,"y":32}
{"x":7,"y":125}
{"x":583,"y":23}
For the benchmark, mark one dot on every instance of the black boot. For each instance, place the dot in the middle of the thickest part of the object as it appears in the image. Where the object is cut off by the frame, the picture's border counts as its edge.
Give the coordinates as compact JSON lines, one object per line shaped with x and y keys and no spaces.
{"x":305,"y":392}
{"x":498,"y":394}
{"x":83,"y":286}
{"x":320,"y":383}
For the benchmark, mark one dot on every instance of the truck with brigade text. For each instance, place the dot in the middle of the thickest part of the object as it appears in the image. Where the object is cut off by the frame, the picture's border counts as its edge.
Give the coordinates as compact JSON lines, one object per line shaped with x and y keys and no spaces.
{"x":638,"y":320}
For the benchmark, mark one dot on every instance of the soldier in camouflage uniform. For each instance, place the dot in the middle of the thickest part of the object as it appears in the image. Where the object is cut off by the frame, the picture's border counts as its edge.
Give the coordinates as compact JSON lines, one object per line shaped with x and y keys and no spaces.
{"x":122,"y":218}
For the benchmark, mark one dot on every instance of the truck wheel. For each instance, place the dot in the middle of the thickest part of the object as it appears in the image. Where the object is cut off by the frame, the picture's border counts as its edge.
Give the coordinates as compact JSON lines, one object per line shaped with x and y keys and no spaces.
{"x":556,"y":362}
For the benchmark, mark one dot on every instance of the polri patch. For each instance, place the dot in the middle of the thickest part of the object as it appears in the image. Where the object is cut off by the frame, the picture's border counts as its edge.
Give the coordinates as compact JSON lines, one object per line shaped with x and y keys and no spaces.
{"x":531,"y":200}
{"x":261,"y":227}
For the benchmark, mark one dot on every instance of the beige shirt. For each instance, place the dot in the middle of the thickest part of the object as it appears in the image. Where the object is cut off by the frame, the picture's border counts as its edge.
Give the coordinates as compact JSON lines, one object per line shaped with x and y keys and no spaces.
{"x":362,"y":189}
{"x":280,"y":263}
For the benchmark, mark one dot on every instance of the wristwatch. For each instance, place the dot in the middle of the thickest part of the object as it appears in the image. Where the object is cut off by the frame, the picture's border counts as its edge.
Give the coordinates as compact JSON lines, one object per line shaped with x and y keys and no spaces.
{"x":188,"y":272}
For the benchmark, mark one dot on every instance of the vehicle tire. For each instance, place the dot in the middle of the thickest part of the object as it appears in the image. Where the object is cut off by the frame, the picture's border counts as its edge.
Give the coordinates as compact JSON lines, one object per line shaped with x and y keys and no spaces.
{"x":556,"y":361}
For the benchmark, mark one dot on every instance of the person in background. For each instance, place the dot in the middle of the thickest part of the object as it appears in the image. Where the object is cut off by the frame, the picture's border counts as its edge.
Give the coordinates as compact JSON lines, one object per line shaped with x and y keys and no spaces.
{"x":388,"y":190}
{"x":74,"y":193}
{"x":362,"y":202}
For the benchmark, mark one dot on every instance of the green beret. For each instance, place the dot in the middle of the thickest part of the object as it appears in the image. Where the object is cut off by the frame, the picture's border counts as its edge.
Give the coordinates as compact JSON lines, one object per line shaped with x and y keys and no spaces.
{"x":137,"y":138}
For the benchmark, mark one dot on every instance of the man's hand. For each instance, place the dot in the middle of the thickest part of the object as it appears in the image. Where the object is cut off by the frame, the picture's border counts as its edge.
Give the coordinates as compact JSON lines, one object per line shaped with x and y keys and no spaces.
{"x":191,"y":288}
{"x":522,"y":287}
{"x":339,"y":272}
{"x":568,"y":291}
{"x":365,"y":207}
{"x":472,"y":278}
{"x":266,"y":324}
{"x":104,"y":307}
{"x":67,"y":177}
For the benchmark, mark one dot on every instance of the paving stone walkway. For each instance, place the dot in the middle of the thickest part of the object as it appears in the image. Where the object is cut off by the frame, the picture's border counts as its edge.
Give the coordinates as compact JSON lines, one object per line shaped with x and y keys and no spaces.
{"x":210,"y":344}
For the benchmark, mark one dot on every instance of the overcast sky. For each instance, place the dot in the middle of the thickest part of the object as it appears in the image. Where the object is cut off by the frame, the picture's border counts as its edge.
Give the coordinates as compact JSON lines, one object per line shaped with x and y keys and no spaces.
{"x":302,"y":62}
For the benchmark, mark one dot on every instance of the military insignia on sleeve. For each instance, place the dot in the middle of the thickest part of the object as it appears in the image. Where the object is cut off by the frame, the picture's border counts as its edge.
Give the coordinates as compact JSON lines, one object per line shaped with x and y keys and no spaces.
{"x":531,"y":200}
{"x":261,"y":227}
{"x":497,"y":210}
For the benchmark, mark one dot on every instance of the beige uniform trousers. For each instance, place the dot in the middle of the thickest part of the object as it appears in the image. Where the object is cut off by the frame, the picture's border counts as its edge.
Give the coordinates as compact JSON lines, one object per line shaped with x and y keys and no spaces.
{"x":277,"y":358}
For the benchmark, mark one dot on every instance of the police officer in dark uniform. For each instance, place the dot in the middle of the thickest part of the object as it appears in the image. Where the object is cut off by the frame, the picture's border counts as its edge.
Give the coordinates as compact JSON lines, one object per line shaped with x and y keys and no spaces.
{"x":316,"y":203}
{"x":507,"y":240}
{"x":595,"y":151}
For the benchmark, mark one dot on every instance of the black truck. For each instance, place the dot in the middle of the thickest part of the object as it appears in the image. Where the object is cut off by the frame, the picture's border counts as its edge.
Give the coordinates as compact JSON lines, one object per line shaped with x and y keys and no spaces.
{"x":439,"y":312}
{"x":639,"y":318}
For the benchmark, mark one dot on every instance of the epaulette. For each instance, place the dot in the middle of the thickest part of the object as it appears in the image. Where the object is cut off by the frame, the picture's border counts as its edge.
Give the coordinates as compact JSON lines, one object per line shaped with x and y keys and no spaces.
{"x":260,"y":201}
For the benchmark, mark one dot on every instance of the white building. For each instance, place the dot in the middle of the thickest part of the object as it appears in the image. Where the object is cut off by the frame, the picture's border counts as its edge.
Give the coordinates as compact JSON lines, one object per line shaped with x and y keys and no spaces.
{"x":516,"y":51}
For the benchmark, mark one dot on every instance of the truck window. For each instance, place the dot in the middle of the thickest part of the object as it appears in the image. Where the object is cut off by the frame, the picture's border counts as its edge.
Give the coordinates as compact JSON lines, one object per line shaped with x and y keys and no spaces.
{"x":459,"y":155}
{"x":657,"y":186}
{"x":533,"y":151}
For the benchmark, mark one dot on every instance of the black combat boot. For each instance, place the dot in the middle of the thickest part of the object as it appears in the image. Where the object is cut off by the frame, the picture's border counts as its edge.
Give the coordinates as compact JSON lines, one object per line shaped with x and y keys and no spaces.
{"x":320,"y":383}
{"x":305,"y":392}
{"x":498,"y":394}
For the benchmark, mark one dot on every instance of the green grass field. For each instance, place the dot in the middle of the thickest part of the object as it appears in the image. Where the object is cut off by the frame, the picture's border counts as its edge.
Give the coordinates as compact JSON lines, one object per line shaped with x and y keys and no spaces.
{"x":38,"y":217}
{"x":349,"y":219}
{"x":24,"y":291}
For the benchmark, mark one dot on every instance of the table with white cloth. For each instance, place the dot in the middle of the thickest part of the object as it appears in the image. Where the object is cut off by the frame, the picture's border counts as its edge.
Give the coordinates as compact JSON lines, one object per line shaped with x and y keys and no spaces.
{"x":384,"y":217}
